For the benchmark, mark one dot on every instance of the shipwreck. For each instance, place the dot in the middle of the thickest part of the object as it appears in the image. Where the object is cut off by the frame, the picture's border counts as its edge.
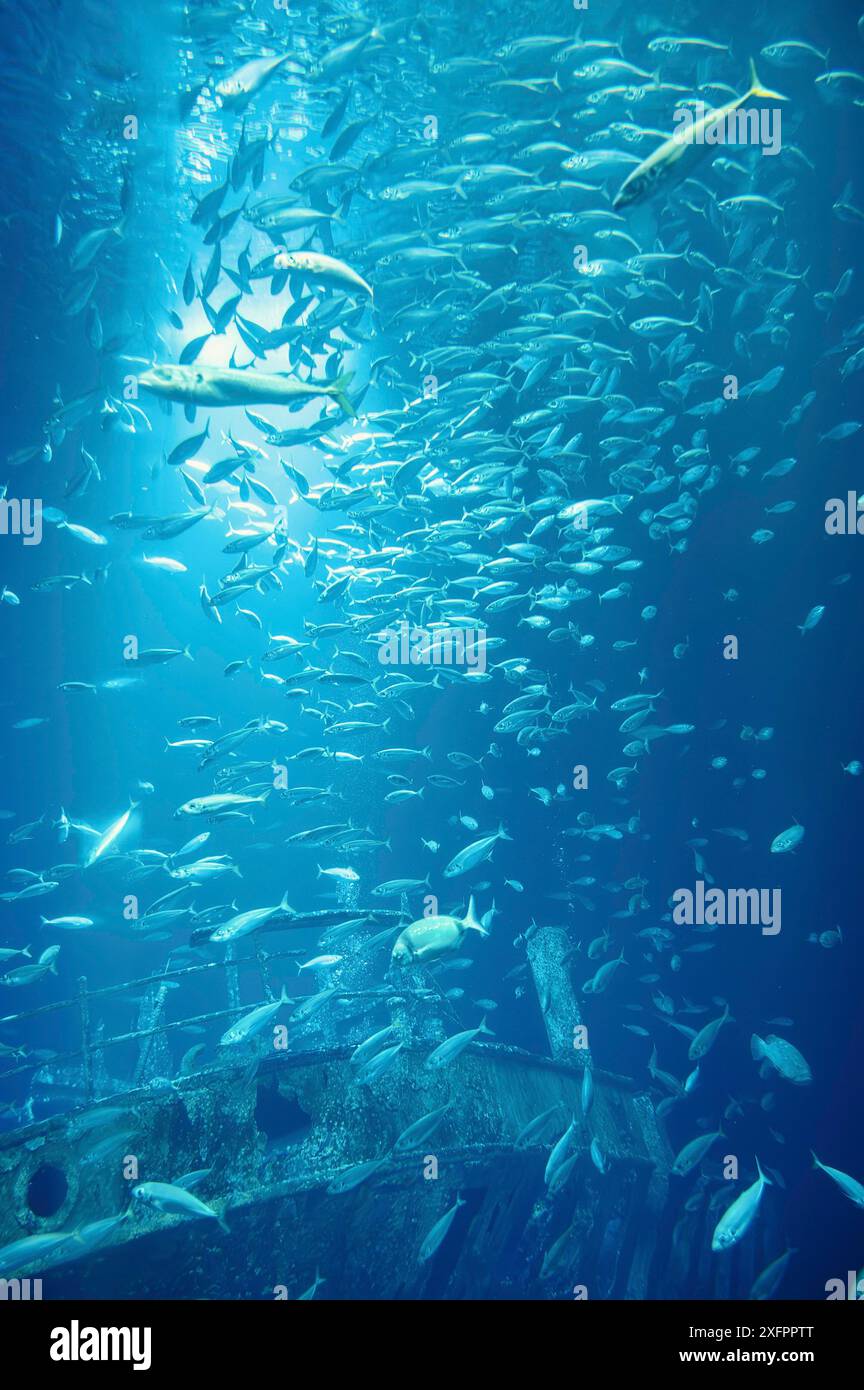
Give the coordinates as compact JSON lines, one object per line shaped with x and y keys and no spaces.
{"x":269,"y":1132}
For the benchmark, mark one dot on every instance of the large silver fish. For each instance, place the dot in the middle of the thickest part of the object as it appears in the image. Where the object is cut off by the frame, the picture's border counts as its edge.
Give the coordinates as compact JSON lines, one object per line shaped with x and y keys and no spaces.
{"x":737,"y":1219}
{"x":674,"y":159}
{"x":215,"y":386}
{"x":431,"y":937}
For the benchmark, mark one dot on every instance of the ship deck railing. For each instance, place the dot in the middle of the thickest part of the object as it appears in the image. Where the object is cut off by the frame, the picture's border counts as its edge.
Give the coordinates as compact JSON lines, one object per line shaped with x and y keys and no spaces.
{"x":91,"y":1044}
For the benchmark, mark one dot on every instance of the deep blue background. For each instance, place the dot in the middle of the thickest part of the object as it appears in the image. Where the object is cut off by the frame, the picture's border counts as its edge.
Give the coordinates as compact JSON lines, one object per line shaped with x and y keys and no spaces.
{"x":94,"y":749}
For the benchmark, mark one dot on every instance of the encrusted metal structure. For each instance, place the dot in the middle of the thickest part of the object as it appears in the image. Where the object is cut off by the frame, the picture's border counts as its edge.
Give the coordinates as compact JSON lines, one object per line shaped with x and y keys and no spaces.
{"x":278,"y":1129}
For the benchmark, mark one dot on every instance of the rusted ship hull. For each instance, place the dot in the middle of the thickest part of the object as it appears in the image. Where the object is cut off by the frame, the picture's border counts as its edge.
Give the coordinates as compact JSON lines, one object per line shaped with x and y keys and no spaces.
{"x":276,"y":1142}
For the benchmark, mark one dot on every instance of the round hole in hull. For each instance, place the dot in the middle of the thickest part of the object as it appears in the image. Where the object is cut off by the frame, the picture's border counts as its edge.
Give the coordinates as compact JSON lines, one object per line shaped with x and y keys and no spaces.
{"x":47,"y":1190}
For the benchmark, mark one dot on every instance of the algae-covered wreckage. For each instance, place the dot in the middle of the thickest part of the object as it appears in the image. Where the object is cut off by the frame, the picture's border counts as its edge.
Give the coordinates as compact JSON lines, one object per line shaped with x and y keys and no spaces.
{"x":272,"y":1141}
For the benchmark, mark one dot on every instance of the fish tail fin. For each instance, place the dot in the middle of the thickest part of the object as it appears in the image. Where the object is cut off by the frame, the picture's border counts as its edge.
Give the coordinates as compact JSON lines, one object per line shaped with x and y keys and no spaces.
{"x":284,"y":905}
{"x":483,"y":1028}
{"x":26,"y":950}
{"x":816,"y":1163}
{"x":768,"y":1181}
{"x":471,"y":918}
{"x":223,"y":1225}
{"x":187,"y":652}
{"x":339,"y":392}
{"x":502,"y":833}
{"x":757,"y":90}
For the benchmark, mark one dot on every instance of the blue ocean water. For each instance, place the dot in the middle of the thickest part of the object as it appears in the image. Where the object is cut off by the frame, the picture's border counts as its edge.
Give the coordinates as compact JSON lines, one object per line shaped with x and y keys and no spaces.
{"x":114,"y":120}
